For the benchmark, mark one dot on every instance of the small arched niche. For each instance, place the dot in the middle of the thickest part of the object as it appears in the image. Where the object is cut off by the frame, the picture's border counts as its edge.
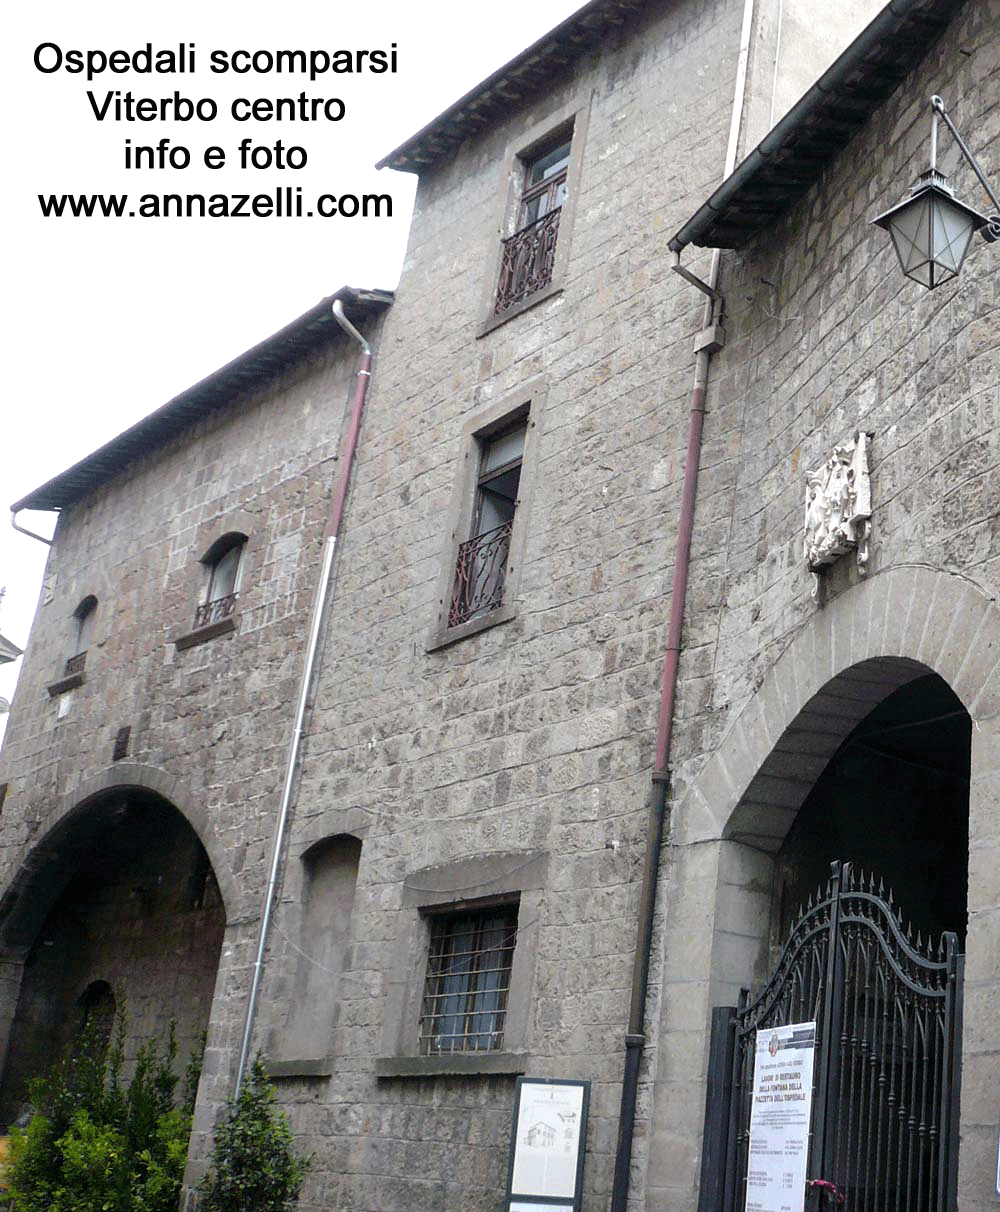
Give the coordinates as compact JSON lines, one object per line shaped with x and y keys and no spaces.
{"x":330,"y":876}
{"x":97,"y":1008}
{"x":81,"y":634}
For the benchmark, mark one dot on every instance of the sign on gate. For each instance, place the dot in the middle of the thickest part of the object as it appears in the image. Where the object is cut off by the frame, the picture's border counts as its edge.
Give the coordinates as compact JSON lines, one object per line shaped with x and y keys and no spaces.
{"x":779,"y":1118}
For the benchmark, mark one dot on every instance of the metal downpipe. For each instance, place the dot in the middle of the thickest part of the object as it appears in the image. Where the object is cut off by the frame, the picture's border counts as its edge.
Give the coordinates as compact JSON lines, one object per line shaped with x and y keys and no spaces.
{"x":635,"y":1039}
{"x":324,"y":589}
{"x":30,"y":533}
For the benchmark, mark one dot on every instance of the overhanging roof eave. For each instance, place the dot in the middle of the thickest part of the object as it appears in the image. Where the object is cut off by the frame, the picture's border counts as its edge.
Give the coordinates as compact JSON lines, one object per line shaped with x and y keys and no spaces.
{"x":786,"y":157}
{"x":277,"y":352}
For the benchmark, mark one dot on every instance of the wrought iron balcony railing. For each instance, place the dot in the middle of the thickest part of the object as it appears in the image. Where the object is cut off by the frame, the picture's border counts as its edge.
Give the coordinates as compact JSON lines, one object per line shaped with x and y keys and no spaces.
{"x":527,"y":261}
{"x":479,"y":575}
{"x":213,"y":612}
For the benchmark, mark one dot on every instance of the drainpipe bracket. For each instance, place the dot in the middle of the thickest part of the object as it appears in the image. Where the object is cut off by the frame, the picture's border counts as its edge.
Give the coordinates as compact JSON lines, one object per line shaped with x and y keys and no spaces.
{"x":634,"y":1041}
{"x":710,"y":340}
{"x":661,"y":776}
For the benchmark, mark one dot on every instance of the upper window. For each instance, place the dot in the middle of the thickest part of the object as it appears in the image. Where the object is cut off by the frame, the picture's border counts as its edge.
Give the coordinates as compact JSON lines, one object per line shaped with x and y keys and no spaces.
{"x":84,"y":618}
{"x":468,"y":979}
{"x":487,"y":524}
{"x":222,"y":564}
{"x":528,"y":257}
{"x":480,"y":570}
{"x":542,"y":176}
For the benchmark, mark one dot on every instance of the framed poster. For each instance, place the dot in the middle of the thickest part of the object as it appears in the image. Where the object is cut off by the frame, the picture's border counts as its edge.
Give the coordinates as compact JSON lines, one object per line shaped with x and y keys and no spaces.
{"x":780,"y":1116}
{"x":547,"y":1145}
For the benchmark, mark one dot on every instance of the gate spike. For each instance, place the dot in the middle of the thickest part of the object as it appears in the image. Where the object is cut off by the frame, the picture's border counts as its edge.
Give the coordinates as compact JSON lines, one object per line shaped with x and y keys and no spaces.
{"x":881,"y":889}
{"x":919,"y":944}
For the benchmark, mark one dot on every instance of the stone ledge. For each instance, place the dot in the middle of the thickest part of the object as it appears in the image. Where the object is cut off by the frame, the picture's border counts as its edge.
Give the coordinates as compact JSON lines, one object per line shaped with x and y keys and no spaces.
{"x":457,"y":1064}
{"x":202,"y":634}
{"x":443,"y":636}
{"x":319,"y":1066}
{"x":64,"y":684}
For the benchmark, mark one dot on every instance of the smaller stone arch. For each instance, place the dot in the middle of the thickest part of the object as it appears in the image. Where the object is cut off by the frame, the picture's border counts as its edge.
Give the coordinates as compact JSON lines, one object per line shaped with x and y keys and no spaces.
{"x":872,"y":639}
{"x":89,"y":808}
{"x":98,"y":1007}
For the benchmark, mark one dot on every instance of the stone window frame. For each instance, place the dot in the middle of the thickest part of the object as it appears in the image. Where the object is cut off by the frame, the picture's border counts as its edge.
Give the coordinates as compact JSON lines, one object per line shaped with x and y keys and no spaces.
{"x":529,"y":402}
{"x":85,"y":614}
{"x":461,"y":885}
{"x":573,"y":119}
{"x":214,"y":540}
{"x":479,"y":1004}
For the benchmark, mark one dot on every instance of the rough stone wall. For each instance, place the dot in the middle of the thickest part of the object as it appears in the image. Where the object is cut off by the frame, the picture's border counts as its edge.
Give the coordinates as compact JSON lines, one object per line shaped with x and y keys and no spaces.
{"x":537,"y":735}
{"x":825,"y":337}
{"x":210,"y":725}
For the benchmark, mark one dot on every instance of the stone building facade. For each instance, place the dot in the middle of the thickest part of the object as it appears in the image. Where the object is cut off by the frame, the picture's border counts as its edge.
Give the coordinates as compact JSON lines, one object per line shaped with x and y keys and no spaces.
{"x":140,"y":766}
{"x":479,"y":750}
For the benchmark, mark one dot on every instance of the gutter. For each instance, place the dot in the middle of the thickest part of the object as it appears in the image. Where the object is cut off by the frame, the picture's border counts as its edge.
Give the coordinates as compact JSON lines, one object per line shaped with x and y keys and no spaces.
{"x":15,"y":510}
{"x":826,"y":88}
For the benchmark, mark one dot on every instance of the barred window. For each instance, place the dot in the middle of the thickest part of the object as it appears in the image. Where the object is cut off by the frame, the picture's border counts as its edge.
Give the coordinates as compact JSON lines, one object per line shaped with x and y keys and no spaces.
{"x":468,"y":979}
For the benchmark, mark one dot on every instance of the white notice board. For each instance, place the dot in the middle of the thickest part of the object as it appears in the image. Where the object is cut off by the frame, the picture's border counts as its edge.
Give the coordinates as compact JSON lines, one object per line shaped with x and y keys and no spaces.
{"x":547,"y":1145}
{"x":779,"y":1118}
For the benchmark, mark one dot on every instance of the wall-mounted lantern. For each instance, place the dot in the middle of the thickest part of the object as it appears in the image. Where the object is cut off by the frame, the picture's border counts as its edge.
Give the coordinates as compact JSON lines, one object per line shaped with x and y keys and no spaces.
{"x":932,"y":230}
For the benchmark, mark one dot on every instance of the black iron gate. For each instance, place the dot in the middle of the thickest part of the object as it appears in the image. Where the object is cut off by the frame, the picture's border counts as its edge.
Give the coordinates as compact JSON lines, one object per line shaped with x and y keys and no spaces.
{"x":887,"y":1008}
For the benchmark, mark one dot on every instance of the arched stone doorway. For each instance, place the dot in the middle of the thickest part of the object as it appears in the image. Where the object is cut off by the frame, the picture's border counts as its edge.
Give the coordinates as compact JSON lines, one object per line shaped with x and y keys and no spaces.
{"x":759,"y":818}
{"x":116,"y":912}
{"x":893,"y":801}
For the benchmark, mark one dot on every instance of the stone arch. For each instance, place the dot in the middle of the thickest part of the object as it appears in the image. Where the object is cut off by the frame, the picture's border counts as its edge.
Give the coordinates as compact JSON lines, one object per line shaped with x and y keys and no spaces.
{"x":78,"y":815}
{"x":731,"y":820}
{"x":116,"y":893}
{"x":870,"y":640}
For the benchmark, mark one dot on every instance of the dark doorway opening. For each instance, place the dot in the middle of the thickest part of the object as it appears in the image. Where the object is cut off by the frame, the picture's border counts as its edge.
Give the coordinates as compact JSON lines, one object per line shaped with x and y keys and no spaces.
{"x":893,"y":800}
{"x":120,"y":921}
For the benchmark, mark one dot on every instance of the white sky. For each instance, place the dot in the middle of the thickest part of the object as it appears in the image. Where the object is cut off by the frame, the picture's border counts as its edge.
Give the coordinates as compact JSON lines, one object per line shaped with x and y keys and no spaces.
{"x":107,"y":319}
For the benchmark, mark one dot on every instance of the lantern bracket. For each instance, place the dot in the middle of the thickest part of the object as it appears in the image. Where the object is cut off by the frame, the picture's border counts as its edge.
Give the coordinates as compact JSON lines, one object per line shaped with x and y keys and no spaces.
{"x":991,"y":232}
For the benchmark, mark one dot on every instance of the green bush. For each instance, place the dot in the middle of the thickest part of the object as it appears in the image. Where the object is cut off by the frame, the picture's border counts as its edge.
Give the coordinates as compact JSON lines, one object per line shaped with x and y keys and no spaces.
{"x":253,"y":1166}
{"x":96,"y":1144}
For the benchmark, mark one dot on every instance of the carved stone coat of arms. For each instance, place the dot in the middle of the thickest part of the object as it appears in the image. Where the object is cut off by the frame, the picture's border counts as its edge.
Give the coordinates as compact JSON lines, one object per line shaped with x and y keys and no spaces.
{"x":839,"y":506}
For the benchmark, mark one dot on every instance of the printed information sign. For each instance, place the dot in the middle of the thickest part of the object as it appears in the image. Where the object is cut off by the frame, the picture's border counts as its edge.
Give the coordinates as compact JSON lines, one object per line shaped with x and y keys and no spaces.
{"x":779,"y":1118}
{"x":547,"y":1145}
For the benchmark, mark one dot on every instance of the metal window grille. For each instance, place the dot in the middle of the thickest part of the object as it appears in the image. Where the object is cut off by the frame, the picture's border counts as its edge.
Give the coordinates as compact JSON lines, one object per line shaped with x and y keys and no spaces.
{"x":527,"y":261}
{"x":212,"y":612}
{"x":468,"y":979}
{"x":479,"y":574}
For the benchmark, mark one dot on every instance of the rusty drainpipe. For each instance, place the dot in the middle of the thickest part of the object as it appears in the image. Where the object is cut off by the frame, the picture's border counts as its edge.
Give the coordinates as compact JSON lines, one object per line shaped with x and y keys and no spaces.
{"x":324,"y":590}
{"x":708,"y":341}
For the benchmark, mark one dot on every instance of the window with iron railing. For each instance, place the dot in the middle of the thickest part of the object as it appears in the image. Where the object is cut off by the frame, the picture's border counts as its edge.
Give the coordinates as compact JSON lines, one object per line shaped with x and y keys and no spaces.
{"x":468,"y":980}
{"x":223,"y":563}
{"x":528,"y":256}
{"x":481,"y":566}
{"x":84,"y":618}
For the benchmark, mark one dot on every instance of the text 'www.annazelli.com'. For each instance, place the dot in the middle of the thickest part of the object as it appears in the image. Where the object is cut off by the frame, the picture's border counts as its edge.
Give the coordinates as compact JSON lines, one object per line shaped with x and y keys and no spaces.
{"x":284,"y":202}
